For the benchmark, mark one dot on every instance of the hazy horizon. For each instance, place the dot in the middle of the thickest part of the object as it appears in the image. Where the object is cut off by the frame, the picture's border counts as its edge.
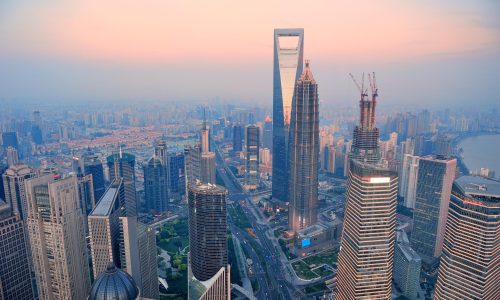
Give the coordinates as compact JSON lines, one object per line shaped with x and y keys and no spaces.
{"x":424,"y":53}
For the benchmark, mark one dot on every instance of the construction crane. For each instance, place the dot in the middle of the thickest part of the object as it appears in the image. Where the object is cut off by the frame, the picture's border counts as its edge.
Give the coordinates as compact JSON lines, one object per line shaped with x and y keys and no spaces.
{"x":361,"y":88}
{"x":374,"y":88}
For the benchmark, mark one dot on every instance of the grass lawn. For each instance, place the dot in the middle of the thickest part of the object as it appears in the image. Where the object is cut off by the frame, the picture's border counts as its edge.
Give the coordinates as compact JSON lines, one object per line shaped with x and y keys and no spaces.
{"x":327,"y":257}
{"x":303,"y":270}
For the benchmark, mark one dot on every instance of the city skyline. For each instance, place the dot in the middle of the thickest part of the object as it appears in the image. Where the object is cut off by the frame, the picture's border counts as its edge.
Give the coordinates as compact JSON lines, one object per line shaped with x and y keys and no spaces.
{"x":132,"y":53}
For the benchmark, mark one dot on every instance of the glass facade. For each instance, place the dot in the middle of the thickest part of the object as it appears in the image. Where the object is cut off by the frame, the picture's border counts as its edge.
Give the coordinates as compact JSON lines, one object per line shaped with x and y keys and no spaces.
{"x":288,"y":61}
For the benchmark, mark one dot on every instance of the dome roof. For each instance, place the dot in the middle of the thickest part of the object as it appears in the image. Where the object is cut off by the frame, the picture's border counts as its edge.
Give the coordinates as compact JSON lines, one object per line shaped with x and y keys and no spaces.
{"x":114,"y":284}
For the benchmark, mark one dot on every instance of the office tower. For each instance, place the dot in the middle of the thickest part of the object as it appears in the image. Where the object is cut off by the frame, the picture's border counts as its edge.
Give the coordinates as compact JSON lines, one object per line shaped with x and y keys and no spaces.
{"x":86,"y":193}
{"x":155,"y":186}
{"x":122,"y":165}
{"x":304,"y":153}
{"x":176,"y":174}
{"x":408,"y":180}
{"x":237,"y":138}
{"x":365,"y":259}
{"x":423,"y":122}
{"x":3,"y":168}
{"x":470,"y":263}
{"x":407,"y":266}
{"x":161,"y":151}
{"x":148,"y":261}
{"x":268,"y":133}
{"x":15,"y":273}
{"x":36,"y":128}
{"x":124,"y":241}
{"x":208,"y":271}
{"x":192,"y":164}
{"x":13,"y":182}
{"x":435,"y":179}
{"x":10,"y":139}
{"x":57,"y":238}
{"x":207,"y":167}
{"x":287,"y":68}
{"x":93,"y":165}
{"x":115,"y":284}
{"x":252,"y":142}
{"x":104,"y":228}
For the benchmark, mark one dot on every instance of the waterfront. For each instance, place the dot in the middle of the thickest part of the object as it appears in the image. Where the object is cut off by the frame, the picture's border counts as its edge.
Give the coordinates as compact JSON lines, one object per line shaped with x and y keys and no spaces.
{"x":481,"y":152}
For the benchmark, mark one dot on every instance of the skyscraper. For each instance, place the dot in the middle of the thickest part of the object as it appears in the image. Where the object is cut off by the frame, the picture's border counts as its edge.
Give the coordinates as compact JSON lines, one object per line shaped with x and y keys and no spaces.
{"x":408,"y":180}
{"x":125,"y":241}
{"x":365,"y":262}
{"x":407,"y":267}
{"x":435,"y":179}
{"x":267,"y":140}
{"x":155,"y":186}
{"x":288,"y":63}
{"x":365,"y":259}
{"x":304,"y":153}
{"x":176,"y":174}
{"x":192,"y":164}
{"x":57,"y":238}
{"x":204,"y":135}
{"x":93,"y":165}
{"x":208,"y":268}
{"x":13,"y":182}
{"x":470,"y":263}
{"x":237,"y":138}
{"x":207,"y":167}
{"x":15,"y":273}
{"x":122,"y":165}
{"x":10,"y":139}
{"x":252,"y":141}
{"x":12,"y":156}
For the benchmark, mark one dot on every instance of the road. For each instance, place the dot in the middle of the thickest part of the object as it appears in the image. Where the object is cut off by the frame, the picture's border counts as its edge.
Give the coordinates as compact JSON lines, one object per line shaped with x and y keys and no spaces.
{"x":274,"y":285}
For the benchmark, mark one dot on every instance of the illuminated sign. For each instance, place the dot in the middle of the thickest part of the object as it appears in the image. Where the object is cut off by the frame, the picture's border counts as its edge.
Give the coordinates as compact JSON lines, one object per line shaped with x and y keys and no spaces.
{"x":380,"y":180}
{"x":306,"y":243}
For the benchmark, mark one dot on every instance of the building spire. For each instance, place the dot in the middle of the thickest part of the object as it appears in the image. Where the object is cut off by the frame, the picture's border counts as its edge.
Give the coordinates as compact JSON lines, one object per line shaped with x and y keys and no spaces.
{"x":204,"y":126}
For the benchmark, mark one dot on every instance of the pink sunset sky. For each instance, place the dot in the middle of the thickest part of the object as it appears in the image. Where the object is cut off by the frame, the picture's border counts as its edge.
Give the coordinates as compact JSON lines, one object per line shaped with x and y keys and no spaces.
{"x":422,"y":51}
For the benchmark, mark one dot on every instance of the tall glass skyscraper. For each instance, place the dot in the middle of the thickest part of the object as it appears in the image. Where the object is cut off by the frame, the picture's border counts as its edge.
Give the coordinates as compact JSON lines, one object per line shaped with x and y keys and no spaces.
{"x":435,"y":179}
{"x":304,"y":153}
{"x":288,"y":61}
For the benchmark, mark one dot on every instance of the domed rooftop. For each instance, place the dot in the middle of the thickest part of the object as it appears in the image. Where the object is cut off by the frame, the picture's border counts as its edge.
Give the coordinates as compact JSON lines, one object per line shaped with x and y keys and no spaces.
{"x":114,"y":284}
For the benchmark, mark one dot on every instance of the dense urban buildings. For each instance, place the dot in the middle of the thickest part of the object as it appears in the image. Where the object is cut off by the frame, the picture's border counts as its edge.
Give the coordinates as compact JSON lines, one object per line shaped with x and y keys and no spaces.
{"x":122,"y":165}
{"x":287,"y":68}
{"x":252,"y":143}
{"x":57,"y":237}
{"x":470,"y":263}
{"x":435,"y":179}
{"x":15,"y":264}
{"x":208,"y":263}
{"x":304,"y":153}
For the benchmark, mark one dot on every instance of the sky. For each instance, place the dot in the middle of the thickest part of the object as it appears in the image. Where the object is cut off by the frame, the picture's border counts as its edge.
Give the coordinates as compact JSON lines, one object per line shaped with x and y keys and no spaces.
{"x":425,"y":53}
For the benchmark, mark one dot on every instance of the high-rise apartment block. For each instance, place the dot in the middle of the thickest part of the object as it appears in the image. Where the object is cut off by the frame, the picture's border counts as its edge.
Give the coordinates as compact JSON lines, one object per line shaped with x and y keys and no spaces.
{"x":435,"y":179}
{"x":470,"y":262}
{"x":304,"y":153}
{"x":57,"y":237}
{"x":287,"y":68}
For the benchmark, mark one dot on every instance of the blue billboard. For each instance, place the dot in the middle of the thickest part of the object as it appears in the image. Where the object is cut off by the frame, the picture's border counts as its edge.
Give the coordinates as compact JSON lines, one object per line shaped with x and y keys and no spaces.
{"x":306,"y":243}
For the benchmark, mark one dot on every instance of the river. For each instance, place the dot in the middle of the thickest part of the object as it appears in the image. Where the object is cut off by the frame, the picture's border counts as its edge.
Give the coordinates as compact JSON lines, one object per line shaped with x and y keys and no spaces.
{"x":482,"y":151}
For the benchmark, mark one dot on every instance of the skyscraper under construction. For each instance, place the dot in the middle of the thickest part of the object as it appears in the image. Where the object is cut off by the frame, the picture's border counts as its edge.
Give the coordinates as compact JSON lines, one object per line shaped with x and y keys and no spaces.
{"x":366,"y":253}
